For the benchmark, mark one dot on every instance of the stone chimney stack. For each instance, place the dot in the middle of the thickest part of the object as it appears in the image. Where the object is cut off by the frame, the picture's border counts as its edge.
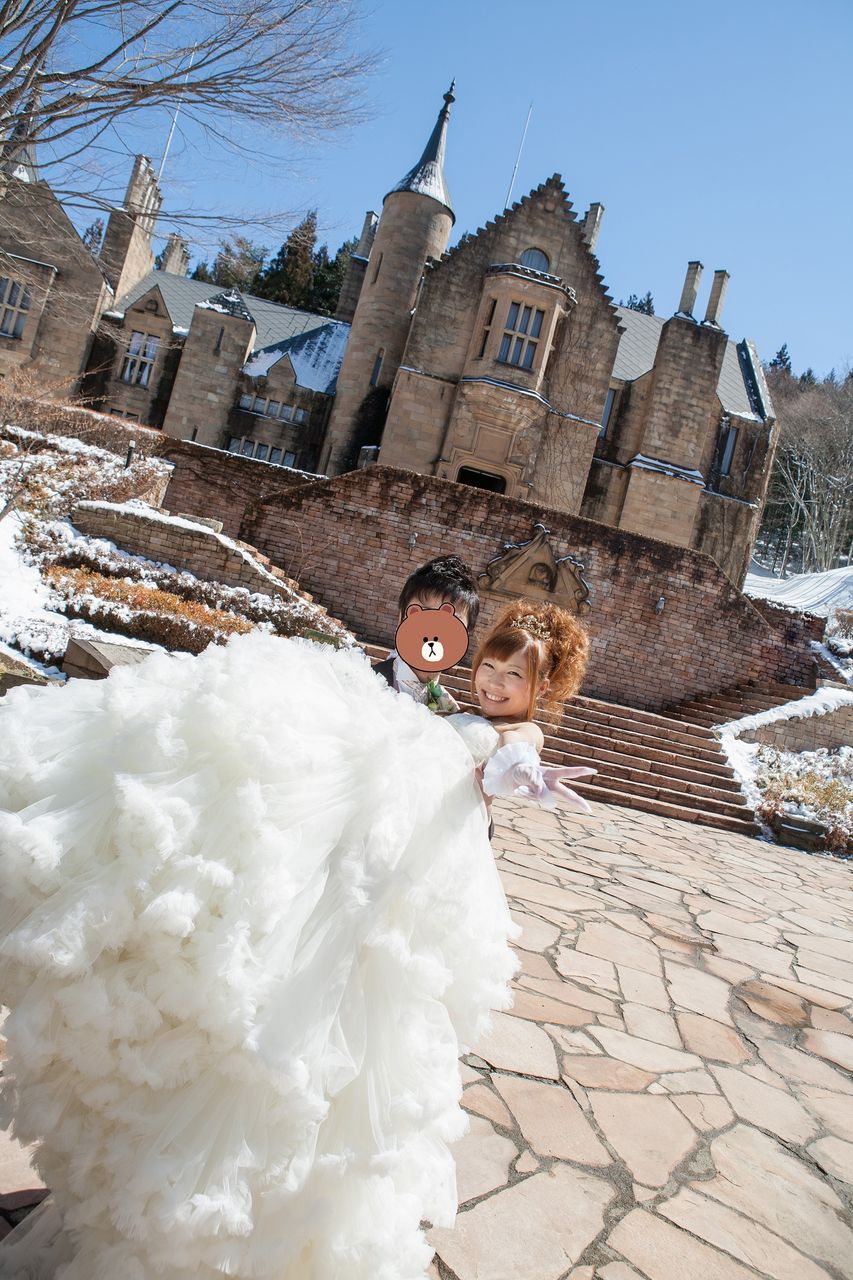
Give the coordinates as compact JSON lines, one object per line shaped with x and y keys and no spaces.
{"x":126,"y":254}
{"x":592,"y":223}
{"x":715,"y":301}
{"x":690,"y":290}
{"x":176,"y":255}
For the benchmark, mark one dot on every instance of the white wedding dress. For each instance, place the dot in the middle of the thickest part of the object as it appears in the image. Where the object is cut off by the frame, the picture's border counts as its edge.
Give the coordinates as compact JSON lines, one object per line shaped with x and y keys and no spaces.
{"x":250,"y":920}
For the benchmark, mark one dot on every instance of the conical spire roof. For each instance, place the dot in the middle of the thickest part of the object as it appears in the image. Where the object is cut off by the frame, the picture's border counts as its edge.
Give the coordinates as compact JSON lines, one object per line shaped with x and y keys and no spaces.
{"x":427,"y":176}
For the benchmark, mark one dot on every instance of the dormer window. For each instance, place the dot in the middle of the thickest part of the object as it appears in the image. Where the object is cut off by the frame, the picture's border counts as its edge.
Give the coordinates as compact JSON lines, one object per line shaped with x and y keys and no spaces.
{"x":535,"y":259}
{"x":521,"y":334}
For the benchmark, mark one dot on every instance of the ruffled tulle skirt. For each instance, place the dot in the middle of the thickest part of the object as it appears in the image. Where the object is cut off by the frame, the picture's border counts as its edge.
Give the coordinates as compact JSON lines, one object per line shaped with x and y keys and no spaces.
{"x":250,"y":920}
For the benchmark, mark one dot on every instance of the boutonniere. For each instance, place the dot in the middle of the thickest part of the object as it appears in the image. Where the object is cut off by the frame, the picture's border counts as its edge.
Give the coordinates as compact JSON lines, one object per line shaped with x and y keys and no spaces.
{"x":435,"y":695}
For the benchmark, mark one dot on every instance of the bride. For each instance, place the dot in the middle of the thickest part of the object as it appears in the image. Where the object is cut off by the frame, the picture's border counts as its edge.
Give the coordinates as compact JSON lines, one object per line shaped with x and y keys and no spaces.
{"x":250,"y":920}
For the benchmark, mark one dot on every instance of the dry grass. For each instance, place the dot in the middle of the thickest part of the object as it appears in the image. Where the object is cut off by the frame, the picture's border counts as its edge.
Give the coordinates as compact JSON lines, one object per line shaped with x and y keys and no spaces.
{"x":828,"y":795}
{"x":145,"y":613}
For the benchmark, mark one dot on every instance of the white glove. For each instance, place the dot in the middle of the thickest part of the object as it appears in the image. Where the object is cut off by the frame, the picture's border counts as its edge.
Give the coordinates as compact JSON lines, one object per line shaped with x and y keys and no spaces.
{"x":516,"y":770}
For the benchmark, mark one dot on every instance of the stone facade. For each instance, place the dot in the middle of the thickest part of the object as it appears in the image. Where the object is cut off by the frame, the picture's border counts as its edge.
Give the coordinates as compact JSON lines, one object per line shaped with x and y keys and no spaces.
{"x":62,"y":285}
{"x":352,"y":540}
{"x":502,"y":363}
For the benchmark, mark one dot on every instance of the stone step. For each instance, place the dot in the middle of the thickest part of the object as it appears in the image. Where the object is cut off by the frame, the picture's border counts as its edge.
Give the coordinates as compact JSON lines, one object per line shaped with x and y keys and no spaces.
{"x":664,"y":792}
{"x":704,"y":817}
{"x":640,"y":769}
{"x":645,"y":760}
{"x":603,"y":731}
{"x":629,"y":754}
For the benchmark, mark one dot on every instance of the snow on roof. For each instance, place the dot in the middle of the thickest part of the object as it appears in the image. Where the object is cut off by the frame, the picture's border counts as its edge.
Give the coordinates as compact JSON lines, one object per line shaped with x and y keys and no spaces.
{"x":315,"y":355}
{"x":667,"y":469}
{"x":817,"y":593}
{"x":181,"y":295}
{"x":638,"y":345}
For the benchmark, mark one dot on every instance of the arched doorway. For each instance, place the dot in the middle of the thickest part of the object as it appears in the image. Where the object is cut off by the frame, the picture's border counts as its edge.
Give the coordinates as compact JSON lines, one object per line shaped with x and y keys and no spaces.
{"x":481,"y":479}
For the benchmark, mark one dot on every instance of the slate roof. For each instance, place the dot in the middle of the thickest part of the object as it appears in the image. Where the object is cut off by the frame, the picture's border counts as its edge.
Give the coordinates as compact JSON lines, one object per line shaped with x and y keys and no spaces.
{"x":636,"y":355}
{"x":316,"y":356}
{"x":426,"y":178}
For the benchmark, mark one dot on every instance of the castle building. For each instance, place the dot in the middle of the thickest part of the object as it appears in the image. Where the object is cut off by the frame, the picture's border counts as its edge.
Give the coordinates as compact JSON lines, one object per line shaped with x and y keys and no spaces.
{"x":502,"y":363}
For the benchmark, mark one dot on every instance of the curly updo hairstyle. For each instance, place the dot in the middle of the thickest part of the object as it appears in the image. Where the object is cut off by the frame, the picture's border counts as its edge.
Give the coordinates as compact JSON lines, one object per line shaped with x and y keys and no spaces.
{"x":549,"y":640}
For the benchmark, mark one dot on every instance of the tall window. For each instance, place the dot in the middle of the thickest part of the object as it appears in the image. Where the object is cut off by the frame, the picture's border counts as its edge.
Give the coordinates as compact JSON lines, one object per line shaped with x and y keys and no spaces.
{"x":487,"y":327}
{"x":14,"y":305}
{"x":727,"y":448}
{"x":377,"y":366}
{"x":608,"y":410}
{"x":139,"y":361}
{"x":521,"y":334}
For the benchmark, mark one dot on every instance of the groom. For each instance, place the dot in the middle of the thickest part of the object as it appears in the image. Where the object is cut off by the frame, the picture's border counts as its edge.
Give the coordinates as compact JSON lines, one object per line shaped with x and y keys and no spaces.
{"x":445,"y":580}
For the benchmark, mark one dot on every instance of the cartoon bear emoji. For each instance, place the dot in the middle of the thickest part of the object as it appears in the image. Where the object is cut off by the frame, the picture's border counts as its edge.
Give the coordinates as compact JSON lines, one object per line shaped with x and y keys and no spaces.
{"x":431,"y":639}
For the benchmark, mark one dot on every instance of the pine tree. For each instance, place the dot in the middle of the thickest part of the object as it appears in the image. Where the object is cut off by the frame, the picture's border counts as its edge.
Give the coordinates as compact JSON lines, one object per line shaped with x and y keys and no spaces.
{"x":93,"y":236}
{"x":645,"y":304}
{"x":781,"y":360}
{"x":329,"y":277}
{"x":238,"y":264}
{"x":201,"y":271}
{"x":290,"y":274}
{"x":808,"y":379}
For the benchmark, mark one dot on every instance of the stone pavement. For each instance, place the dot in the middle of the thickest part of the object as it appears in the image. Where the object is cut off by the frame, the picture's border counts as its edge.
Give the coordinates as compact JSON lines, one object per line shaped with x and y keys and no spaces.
{"x":671,"y":1095}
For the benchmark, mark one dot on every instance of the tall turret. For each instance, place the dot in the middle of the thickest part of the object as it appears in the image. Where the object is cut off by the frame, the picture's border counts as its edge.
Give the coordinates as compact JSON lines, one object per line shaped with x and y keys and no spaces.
{"x":415,"y":225}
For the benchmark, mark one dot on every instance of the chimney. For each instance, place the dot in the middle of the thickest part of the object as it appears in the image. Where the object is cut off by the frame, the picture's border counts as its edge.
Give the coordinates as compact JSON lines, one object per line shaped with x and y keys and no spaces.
{"x":691,"y":288}
{"x":176,"y":255}
{"x":368,"y":234}
{"x":592,"y":223}
{"x":715,"y":301}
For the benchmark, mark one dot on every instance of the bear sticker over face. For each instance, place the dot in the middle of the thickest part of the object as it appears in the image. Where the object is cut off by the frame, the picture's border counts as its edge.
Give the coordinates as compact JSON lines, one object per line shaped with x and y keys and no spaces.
{"x":431,"y":639}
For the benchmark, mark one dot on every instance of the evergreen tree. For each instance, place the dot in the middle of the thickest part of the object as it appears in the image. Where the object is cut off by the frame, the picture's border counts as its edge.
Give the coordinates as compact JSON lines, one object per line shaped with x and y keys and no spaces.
{"x":93,"y":236}
{"x":781,"y":360}
{"x":808,"y":379}
{"x":645,"y":304}
{"x":329,"y":277}
{"x":290,"y":274}
{"x":202,"y":271}
{"x":238,"y":264}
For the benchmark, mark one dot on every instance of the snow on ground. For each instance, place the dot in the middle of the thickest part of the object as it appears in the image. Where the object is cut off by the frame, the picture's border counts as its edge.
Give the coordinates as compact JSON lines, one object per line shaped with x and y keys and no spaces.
{"x":26,"y":620}
{"x":818,"y":593}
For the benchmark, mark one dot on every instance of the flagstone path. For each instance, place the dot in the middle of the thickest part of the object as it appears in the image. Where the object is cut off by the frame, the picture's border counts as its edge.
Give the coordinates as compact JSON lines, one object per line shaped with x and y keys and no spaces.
{"x":671,"y":1096}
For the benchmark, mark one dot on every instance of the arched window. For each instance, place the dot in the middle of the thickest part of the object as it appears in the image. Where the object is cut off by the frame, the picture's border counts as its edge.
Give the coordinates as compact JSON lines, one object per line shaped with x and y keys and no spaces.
{"x":535,"y":259}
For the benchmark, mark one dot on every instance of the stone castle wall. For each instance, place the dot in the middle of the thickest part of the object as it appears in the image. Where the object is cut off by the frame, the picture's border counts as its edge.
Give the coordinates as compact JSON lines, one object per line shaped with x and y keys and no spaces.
{"x":351,"y":541}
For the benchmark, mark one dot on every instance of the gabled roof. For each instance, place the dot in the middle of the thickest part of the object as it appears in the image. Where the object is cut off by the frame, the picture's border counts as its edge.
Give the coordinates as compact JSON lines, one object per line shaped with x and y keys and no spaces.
{"x":315,"y":356}
{"x":638,"y":345}
{"x":181,"y":295}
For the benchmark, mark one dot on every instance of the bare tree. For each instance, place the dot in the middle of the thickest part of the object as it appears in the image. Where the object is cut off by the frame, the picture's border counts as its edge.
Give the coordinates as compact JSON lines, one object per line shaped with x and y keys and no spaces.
{"x":811,"y":496}
{"x":73,"y":72}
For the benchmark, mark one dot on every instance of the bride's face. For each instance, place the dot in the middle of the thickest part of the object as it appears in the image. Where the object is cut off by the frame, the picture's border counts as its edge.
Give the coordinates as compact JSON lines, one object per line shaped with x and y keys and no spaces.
{"x":502,"y":686}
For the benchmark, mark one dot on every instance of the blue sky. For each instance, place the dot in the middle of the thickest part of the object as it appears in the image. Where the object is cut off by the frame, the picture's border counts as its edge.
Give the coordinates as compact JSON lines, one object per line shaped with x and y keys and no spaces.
{"x":719,"y":132}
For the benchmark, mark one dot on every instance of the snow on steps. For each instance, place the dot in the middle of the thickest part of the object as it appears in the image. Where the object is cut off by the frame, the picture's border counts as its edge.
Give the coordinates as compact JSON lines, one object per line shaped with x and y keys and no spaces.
{"x":735,"y":703}
{"x":644,"y":760}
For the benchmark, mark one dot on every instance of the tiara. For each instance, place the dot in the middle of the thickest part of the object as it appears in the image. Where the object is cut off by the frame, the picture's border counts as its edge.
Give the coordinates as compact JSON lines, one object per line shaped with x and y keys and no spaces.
{"x":532,"y":625}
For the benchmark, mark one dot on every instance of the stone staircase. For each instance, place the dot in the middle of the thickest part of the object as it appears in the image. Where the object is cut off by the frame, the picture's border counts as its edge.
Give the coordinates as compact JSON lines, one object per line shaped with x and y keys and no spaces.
{"x":733,"y":704}
{"x":656,"y":763}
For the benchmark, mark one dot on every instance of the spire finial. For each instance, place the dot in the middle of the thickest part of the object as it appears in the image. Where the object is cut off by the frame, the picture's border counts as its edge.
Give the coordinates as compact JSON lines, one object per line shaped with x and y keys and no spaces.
{"x":427,"y":177}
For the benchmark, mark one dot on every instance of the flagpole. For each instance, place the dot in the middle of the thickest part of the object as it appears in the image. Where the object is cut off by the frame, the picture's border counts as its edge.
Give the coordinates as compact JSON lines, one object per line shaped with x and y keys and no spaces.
{"x":518,"y":157}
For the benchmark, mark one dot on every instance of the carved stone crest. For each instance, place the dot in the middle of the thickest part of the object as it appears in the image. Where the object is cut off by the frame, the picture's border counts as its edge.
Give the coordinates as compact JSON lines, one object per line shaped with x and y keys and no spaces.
{"x":531,"y":569}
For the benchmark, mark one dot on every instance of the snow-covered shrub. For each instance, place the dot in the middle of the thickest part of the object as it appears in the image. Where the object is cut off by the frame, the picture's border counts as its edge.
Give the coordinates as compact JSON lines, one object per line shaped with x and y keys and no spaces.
{"x":816,"y":784}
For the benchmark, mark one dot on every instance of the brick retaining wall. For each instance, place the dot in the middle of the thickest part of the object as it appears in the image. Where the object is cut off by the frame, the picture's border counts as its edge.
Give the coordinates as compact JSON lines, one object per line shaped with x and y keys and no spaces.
{"x":347,"y":541}
{"x":202,"y":552}
{"x":806,"y":733}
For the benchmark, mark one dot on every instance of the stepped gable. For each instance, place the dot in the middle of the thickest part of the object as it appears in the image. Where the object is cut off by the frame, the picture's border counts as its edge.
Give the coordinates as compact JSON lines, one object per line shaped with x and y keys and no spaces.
{"x":554,"y":187}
